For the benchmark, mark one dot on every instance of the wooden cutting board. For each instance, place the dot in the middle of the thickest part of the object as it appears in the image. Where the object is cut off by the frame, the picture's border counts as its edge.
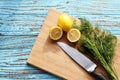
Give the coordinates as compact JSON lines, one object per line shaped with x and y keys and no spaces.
{"x":47,"y":55}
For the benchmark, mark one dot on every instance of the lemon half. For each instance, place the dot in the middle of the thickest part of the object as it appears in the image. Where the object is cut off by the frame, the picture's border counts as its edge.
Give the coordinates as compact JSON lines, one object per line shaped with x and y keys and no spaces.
{"x":56,"y":32}
{"x":73,"y":35}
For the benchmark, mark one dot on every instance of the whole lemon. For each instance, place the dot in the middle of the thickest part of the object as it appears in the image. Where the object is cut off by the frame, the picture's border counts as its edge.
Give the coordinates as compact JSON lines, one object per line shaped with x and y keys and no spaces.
{"x":65,"y":22}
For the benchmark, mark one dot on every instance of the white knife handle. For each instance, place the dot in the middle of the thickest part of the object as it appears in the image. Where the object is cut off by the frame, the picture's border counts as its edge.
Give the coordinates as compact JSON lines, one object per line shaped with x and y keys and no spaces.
{"x":98,"y":76}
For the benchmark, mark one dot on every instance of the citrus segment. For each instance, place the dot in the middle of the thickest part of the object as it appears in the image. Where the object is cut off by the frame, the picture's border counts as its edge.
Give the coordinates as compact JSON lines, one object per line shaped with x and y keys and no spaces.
{"x":73,"y":35}
{"x":65,"y":22}
{"x":55,"y":32}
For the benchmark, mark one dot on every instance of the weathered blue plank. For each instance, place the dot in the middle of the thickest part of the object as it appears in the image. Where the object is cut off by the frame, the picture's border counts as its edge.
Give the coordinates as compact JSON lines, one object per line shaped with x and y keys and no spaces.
{"x":110,"y":29}
{"x":35,"y":33}
{"x":16,"y":42}
{"x":33,"y":23}
{"x":47,"y":3}
{"x":20,"y":22}
{"x":29,"y":76}
{"x":71,"y":10}
{"x":14,"y":59}
{"x":69,"y":6}
{"x":21,"y":42}
{"x":21,"y":33}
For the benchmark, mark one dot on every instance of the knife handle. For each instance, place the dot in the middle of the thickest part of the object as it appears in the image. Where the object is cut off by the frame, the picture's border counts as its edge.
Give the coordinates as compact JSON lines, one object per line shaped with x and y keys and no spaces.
{"x":98,"y":76}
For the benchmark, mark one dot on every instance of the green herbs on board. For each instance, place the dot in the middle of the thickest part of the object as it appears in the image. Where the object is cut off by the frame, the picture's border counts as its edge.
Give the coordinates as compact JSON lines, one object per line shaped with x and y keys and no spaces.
{"x":98,"y":43}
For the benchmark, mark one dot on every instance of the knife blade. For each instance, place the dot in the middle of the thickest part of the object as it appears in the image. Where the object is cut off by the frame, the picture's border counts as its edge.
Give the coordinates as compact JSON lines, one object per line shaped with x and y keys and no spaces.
{"x":81,"y":60}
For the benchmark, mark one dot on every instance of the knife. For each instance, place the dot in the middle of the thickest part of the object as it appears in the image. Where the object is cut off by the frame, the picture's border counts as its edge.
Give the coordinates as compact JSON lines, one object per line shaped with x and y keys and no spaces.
{"x":82,"y":60}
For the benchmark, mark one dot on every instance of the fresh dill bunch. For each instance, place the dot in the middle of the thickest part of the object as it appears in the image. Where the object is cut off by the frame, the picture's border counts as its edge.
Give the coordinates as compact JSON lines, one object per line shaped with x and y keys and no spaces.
{"x":99,"y":43}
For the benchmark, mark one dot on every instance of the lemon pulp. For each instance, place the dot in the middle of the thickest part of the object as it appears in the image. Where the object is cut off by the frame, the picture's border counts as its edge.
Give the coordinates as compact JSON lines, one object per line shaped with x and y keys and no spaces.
{"x":73,"y":35}
{"x":55,"y":32}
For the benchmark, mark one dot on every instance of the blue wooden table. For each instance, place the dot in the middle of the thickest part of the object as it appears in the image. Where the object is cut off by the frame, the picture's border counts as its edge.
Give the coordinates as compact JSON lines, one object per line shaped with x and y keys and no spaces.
{"x":20,"y":23}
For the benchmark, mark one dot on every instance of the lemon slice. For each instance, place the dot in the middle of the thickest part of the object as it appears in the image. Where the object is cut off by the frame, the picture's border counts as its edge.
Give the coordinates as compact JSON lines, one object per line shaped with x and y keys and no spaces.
{"x":55,"y":32}
{"x":65,"y":22}
{"x":73,"y":35}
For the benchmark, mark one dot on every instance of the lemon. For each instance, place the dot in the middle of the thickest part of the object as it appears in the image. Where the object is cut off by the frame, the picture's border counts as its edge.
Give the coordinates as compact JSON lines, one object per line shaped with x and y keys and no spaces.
{"x":73,"y":35}
{"x":65,"y":22}
{"x":55,"y":32}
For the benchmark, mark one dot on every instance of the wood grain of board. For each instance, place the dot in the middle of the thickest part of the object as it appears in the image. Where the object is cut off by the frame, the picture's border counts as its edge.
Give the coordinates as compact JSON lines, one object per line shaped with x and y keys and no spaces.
{"x":48,"y":56}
